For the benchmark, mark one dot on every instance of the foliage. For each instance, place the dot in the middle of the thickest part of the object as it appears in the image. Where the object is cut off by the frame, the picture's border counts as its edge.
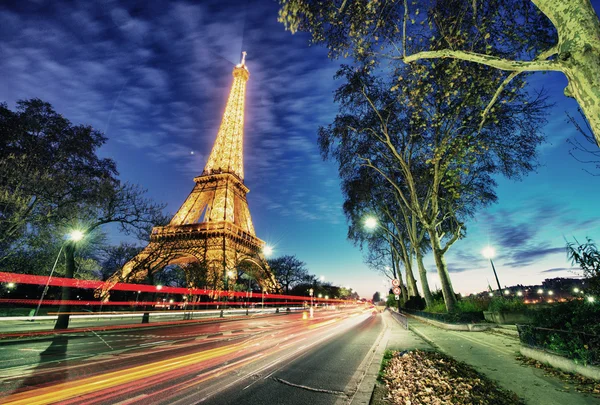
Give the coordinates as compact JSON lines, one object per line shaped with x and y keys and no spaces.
{"x":52,"y":167}
{"x":571,"y":329}
{"x":416,"y":303}
{"x":418,"y":129}
{"x":513,"y":36}
{"x":438,"y":306}
{"x":289,"y":271}
{"x":113,"y":258}
{"x":507,"y":305}
{"x":472,"y":304}
{"x":587,"y":256}
{"x":376,"y":297}
{"x":574,"y":315}
{"x":434,"y":378}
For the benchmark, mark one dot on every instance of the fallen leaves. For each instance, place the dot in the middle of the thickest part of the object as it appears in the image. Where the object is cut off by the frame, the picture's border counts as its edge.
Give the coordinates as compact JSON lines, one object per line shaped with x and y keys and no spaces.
{"x":578,"y":382}
{"x":431,"y":378}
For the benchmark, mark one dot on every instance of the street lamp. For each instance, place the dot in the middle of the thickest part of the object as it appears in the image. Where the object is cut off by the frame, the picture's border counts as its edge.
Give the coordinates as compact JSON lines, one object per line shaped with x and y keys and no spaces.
{"x":370,"y":222}
{"x":489,"y":253}
{"x":267,"y":250}
{"x":74,"y":236}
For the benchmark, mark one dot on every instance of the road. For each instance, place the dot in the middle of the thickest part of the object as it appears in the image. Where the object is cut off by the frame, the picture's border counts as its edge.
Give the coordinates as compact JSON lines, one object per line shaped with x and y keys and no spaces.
{"x":281,"y":359}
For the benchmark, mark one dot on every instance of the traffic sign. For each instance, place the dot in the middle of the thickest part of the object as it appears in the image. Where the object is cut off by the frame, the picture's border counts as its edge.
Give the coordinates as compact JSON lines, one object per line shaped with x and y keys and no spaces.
{"x":396,"y":290}
{"x":395,"y":282}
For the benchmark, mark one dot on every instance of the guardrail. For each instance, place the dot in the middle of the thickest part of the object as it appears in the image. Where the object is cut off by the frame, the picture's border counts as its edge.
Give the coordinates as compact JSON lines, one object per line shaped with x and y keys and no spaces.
{"x":403,"y":320}
{"x":153,"y":314}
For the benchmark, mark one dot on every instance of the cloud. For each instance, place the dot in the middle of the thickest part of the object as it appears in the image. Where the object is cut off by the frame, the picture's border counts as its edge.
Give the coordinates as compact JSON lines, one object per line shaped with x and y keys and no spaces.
{"x":559,"y":269}
{"x":529,"y":255}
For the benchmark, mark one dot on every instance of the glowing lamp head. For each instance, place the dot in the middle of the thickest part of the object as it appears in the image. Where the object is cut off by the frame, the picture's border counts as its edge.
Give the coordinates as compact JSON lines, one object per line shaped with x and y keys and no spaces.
{"x":159,"y":287}
{"x":76,"y":236}
{"x":370,"y":223}
{"x":267,"y":250}
{"x":550,"y":292}
{"x":327,"y":297}
{"x":489,"y":252}
{"x":591,"y":299}
{"x":575,"y":290}
{"x":506,"y":292}
{"x":230,"y":273}
{"x":540,"y":291}
{"x":320,"y":295}
{"x":10,"y":285}
{"x":519,"y":293}
{"x":491,"y":294}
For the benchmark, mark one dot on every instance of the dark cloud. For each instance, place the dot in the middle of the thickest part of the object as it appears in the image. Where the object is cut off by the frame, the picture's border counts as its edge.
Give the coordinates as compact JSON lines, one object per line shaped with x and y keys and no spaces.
{"x":529,"y":255}
{"x":558,"y":269}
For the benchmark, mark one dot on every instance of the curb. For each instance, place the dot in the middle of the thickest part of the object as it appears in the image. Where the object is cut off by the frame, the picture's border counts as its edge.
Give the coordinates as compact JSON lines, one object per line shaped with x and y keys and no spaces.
{"x":366,"y":386}
{"x":561,"y":363}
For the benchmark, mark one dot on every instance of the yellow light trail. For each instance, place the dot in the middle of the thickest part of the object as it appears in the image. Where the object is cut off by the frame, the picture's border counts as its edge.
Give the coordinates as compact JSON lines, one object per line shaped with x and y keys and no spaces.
{"x":64,"y":391}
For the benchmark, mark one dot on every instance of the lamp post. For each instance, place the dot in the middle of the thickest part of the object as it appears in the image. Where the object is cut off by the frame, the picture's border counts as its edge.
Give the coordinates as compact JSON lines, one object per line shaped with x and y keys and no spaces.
{"x":311,"y":292}
{"x":74,"y":236}
{"x":489,"y":253}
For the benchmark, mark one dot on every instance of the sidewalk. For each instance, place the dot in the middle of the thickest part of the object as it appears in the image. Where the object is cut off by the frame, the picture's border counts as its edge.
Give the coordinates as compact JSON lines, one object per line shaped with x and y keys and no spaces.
{"x":495,"y":356}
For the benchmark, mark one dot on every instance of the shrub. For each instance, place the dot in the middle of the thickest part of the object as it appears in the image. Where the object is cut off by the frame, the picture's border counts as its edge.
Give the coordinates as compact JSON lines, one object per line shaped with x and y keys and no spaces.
{"x":472,"y":304}
{"x":507,"y":305}
{"x":416,"y":303}
{"x":438,"y":306}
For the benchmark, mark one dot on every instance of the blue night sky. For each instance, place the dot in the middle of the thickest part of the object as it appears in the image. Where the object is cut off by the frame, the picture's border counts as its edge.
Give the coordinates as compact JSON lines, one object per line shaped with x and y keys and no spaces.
{"x":154,"y":77}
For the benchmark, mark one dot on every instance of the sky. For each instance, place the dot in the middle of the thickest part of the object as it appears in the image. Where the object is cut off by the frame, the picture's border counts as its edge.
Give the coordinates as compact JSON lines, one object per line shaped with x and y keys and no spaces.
{"x":154,"y":77}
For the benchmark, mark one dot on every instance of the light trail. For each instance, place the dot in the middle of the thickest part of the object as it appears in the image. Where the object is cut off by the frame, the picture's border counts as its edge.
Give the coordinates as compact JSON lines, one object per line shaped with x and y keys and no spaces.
{"x":204,"y":366}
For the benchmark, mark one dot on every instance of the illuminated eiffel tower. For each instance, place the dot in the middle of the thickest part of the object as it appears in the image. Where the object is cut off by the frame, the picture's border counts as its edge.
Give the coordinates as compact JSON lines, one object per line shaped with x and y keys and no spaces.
{"x":213,"y":227}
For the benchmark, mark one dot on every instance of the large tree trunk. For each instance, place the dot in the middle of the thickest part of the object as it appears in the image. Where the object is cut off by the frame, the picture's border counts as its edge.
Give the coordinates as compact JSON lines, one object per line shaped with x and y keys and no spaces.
{"x":403,"y":291}
{"x":442,"y":268}
{"x":423,"y":278}
{"x":578,"y":30}
{"x":63,"y":318}
{"x":413,"y":291}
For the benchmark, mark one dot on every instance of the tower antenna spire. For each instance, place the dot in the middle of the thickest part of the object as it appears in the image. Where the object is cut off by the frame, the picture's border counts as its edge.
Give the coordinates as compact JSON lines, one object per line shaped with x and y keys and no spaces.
{"x":243,"y":58}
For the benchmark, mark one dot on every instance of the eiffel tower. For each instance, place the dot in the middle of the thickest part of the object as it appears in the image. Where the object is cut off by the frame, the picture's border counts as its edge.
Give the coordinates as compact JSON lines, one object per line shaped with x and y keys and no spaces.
{"x":213,"y":227}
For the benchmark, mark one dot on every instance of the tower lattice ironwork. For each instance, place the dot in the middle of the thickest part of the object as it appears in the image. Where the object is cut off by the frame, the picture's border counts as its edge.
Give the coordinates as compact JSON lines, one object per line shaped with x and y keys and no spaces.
{"x":213,"y":227}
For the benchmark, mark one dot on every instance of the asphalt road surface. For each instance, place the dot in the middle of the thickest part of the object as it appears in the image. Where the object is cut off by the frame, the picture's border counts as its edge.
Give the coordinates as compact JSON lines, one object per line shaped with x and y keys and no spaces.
{"x":282,"y":359}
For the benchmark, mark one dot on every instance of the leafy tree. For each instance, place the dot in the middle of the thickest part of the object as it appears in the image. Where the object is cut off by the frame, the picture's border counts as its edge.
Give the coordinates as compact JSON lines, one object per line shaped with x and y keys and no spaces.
{"x":587,"y":256}
{"x":514,"y":36}
{"x":113,"y":258}
{"x":49,"y":169}
{"x":115,"y":203}
{"x":376,"y":297}
{"x":426,"y":142}
{"x":371,"y":195}
{"x":289,"y":271}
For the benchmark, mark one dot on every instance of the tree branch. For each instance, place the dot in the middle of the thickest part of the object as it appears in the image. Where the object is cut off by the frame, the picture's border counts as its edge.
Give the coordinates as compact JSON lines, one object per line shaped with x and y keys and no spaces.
{"x":488,"y":60}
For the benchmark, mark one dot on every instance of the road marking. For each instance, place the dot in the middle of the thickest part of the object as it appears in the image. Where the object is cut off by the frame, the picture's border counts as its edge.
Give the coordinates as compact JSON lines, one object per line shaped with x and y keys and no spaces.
{"x":491,"y":346}
{"x":152,"y":343}
{"x":304,"y":387}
